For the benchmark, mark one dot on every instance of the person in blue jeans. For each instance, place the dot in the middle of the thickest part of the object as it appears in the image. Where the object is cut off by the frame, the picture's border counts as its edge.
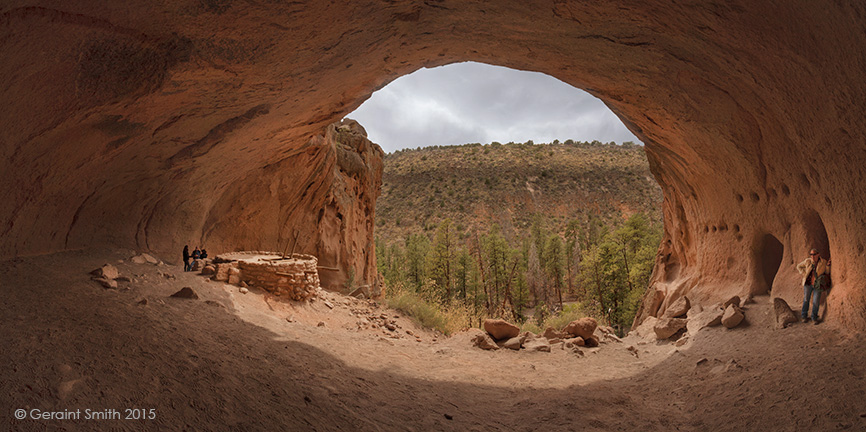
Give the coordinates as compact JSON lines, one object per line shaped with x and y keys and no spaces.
{"x":811,"y":269}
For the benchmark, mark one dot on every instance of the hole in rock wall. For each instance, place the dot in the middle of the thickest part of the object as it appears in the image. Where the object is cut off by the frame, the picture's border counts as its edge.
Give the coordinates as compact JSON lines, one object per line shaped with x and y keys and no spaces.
{"x":816,"y":235}
{"x":769,"y":259}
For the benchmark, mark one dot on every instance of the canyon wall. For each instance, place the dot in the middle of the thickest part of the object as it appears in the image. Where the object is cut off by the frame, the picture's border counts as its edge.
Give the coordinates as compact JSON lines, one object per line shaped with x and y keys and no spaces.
{"x":154,"y":124}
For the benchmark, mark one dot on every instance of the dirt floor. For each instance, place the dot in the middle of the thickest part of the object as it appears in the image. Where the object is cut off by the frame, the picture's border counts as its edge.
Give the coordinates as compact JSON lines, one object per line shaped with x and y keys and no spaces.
{"x":251,"y":362}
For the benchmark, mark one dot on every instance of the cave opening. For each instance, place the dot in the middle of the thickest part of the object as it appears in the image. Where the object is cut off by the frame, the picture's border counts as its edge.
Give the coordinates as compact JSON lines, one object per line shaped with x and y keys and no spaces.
{"x":476,"y":152}
{"x":769,"y":258}
{"x":816,"y":234}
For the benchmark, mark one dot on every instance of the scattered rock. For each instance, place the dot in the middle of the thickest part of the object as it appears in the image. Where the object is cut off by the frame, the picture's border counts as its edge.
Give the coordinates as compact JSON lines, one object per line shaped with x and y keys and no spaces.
{"x":678,"y":308}
{"x":611,"y":337}
{"x":244,"y":290}
{"x":702,"y":361}
{"x":328,"y":304}
{"x":733,"y":316}
{"x":138,"y":259}
{"x":126,"y":279}
{"x":149,"y":258}
{"x":185,"y":293}
{"x":390,"y":326}
{"x":583,"y":327}
{"x":500,"y":329}
{"x":578,"y":341}
{"x":591,"y":342}
{"x":290,"y":319}
{"x":735,"y":300}
{"x":484,"y":341}
{"x":746,"y":300}
{"x":514,"y":343}
{"x":540,"y":344}
{"x":552,"y":333}
{"x":320,"y":324}
{"x":143,"y":302}
{"x":107,"y":271}
{"x":667,"y":327}
{"x":681,"y":341}
{"x":784,"y":314}
{"x":106,"y":283}
{"x":708,"y":318}
{"x":169,"y":276}
{"x":632,"y":350}
{"x":645,"y":329}
{"x":208,"y":270}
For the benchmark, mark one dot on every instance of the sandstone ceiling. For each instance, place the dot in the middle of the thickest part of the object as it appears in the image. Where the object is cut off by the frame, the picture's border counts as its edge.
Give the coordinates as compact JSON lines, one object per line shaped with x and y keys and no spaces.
{"x":152,"y":124}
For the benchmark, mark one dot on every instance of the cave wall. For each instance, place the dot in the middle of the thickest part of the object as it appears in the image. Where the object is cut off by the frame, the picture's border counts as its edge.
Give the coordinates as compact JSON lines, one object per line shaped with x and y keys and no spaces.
{"x":142,"y":124}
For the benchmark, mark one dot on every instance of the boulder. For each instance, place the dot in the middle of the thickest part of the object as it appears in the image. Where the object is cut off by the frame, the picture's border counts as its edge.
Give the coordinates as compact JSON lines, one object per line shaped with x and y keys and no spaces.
{"x":107,"y":271}
{"x":591,"y":342}
{"x":185,"y":293}
{"x":138,"y":259}
{"x":208,"y":270}
{"x":149,"y":258}
{"x":678,"y":308}
{"x":197,"y":265}
{"x":578,"y":341}
{"x":735,"y":300}
{"x":645,"y":329}
{"x":583,"y":327}
{"x":552,"y":333}
{"x":746,"y":300}
{"x":708,"y":318}
{"x":540,"y":344}
{"x":514,"y":343}
{"x":733,"y":316}
{"x":784,"y":314}
{"x":500,"y":329}
{"x":484,"y":341}
{"x":694,"y":310}
{"x":667,"y":327}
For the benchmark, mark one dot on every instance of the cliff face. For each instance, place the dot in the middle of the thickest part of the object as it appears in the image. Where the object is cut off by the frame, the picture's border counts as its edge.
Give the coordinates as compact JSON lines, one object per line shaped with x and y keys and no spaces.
{"x":155,"y":124}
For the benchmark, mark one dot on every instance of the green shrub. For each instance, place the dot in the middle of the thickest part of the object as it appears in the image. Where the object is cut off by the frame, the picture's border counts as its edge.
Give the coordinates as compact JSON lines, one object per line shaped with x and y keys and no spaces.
{"x":447,"y":319}
{"x":569,"y":313}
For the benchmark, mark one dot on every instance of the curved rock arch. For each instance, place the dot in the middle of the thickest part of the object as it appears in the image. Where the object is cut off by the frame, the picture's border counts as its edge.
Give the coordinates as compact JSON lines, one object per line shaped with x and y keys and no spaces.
{"x":153,"y":124}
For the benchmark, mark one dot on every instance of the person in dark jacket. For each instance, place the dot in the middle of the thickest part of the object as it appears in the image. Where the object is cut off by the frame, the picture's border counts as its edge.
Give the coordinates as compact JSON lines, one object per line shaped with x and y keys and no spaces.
{"x":186,"y":258}
{"x":203,"y":253}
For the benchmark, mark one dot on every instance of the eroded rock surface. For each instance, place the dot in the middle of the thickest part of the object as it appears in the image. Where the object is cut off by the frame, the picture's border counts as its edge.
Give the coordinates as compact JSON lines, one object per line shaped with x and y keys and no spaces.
{"x":156,"y":124}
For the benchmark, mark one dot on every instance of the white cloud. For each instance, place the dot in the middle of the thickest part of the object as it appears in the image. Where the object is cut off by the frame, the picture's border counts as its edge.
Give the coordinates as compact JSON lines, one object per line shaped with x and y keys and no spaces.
{"x":474,"y":102}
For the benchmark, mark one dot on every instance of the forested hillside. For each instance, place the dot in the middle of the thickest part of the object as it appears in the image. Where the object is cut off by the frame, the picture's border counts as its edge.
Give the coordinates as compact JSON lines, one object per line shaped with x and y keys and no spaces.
{"x":511,"y":230}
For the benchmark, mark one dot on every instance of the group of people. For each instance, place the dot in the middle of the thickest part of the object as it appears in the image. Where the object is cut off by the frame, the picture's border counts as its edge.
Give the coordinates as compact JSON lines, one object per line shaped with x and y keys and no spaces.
{"x":197,"y":254}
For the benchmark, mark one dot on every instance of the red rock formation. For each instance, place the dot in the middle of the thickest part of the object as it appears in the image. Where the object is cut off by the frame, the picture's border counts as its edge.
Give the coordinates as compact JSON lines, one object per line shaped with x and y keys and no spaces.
{"x":154,"y":124}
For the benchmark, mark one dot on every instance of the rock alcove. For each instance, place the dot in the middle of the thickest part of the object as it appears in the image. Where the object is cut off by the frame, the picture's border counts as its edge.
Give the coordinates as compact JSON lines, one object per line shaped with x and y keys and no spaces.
{"x":151,"y":125}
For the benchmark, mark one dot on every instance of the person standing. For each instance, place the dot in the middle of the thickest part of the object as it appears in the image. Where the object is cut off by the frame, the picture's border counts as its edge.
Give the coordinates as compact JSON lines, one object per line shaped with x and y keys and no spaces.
{"x":812,"y":269}
{"x":186,"y":258}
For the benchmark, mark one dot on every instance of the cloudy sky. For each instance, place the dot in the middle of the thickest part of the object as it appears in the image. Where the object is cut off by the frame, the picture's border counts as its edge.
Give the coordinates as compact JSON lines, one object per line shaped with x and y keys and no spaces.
{"x":473,"y":102}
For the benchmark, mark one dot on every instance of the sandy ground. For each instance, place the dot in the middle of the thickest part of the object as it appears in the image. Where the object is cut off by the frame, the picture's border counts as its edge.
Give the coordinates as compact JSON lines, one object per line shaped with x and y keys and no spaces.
{"x":233,"y":361}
